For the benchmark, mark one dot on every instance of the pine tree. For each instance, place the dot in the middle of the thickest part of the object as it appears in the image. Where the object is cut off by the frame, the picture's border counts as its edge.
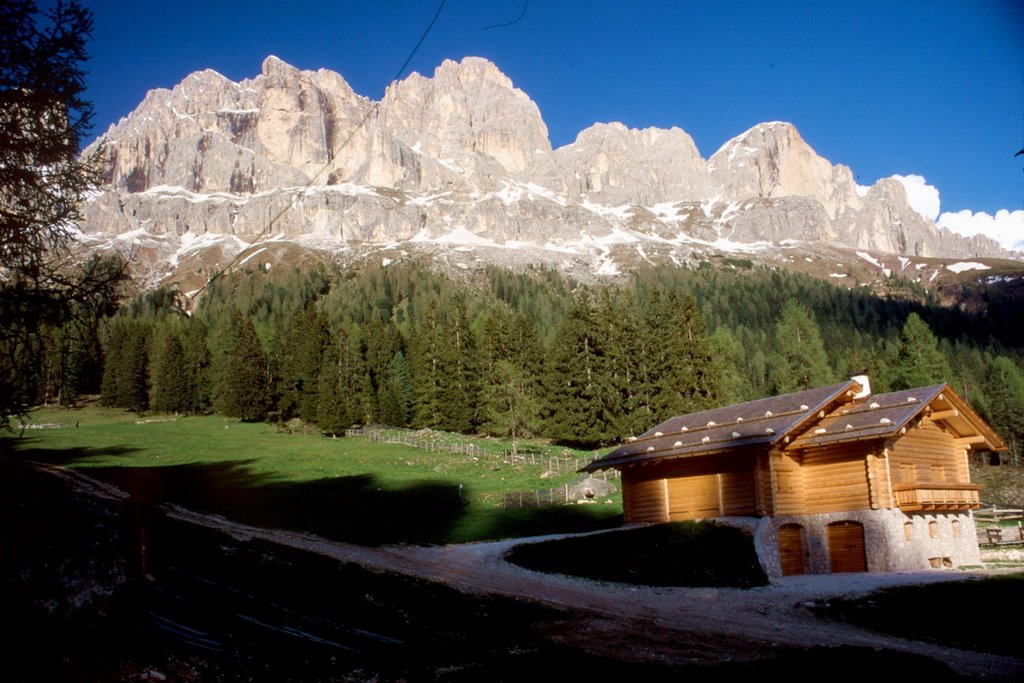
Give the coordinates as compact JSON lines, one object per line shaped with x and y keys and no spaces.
{"x":800,"y":361}
{"x":579,"y":406}
{"x":732,"y":362}
{"x":1004,"y":404}
{"x":170,"y":384}
{"x":196,"y":365}
{"x":304,"y":342}
{"x":44,"y":179}
{"x":691,"y":380}
{"x":126,"y":365}
{"x":919,"y":361}
{"x":512,"y":408}
{"x":238,"y":370}
{"x":341,"y":386}
{"x":394,"y":396}
{"x":459,"y":380}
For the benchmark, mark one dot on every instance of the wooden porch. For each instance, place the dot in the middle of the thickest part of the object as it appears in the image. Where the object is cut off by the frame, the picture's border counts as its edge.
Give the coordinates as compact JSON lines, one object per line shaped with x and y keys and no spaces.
{"x":936,"y":497}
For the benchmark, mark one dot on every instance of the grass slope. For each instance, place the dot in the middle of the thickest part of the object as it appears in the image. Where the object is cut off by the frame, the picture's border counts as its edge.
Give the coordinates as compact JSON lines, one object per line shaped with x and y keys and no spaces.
{"x":347,"y":489}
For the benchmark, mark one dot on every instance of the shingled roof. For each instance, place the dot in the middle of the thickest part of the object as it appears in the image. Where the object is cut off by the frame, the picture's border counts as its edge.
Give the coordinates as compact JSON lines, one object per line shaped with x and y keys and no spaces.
{"x":816,"y":417}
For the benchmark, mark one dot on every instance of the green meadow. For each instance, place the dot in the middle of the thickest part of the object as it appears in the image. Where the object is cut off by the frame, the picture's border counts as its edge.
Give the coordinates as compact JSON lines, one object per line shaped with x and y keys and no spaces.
{"x":349,"y":489}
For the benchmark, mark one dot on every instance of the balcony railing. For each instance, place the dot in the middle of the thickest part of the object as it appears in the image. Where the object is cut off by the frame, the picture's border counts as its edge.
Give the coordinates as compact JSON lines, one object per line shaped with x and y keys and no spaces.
{"x":936,"y":496}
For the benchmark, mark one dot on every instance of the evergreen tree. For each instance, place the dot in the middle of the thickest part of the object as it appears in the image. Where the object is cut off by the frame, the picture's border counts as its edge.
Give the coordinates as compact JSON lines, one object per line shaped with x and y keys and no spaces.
{"x":1004,"y":404}
{"x":919,"y":361}
{"x":44,"y":180}
{"x":736,"y":383}
{"x":579,"y":406}
{"x":426,"y":366}
{"x":304,"y":343}
{"x":126,"y":369}
{"x":170,"y":384}
{"x":691,"y":380}
{"x":339,"y":399}
{"x":460,"y":386}
{"x":800,"y":361}
{"x":513,"y":410}
{"x":196,"y":365}
{"x":394,"y":396}
{"x":238,"y":369}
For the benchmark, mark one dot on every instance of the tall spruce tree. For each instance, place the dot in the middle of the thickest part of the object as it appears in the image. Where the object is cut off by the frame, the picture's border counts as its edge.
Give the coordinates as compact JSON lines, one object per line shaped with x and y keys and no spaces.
{"x":342,"y":375}
{"x":919,"y":361}
{"x":1004,"y":404}
{"x":800,"y":361}
{"x":580,"y":407}
{"x":512,"y":408}
{"x":691,"y":379}
{"x":238,"y":369}
{"x":304,"y":341}
{"x":171,"y":390}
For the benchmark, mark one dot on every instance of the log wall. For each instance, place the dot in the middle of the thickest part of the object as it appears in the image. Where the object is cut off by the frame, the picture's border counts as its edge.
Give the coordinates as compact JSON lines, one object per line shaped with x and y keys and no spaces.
{"x":790,"y":490}
{"x":696,"y":488}
{"x":643,"y":500}
{"x":836,"y":479}
{"x":928,"y":454}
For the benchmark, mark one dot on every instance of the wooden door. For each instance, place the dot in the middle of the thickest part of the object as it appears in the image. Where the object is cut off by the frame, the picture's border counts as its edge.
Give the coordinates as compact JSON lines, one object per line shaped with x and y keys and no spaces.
{"x":846,"y":547}
{"x":791,"y":549}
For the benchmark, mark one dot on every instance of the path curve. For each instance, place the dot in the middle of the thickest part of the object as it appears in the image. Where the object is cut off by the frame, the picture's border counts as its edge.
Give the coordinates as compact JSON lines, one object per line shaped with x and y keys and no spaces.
{"x":744,"y":620}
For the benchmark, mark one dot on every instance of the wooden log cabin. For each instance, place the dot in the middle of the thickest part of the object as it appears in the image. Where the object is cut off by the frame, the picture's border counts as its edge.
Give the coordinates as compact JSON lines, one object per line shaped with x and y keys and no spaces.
{"x":840,"y":479}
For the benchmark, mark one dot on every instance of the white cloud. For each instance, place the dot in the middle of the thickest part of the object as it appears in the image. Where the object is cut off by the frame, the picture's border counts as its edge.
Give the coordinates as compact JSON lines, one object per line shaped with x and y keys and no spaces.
{"x":1006,"y":227}
{"x":923,"y":198}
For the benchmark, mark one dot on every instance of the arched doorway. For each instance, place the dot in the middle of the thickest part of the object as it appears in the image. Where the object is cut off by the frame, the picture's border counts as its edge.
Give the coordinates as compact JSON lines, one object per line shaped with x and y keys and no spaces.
{"x":846,"y":547}
{"x":791,"y":549}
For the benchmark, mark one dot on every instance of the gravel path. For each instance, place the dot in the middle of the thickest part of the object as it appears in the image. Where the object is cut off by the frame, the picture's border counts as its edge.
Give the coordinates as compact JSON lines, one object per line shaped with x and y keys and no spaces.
{"x":673,"y":625}
{"x":677,"y":624}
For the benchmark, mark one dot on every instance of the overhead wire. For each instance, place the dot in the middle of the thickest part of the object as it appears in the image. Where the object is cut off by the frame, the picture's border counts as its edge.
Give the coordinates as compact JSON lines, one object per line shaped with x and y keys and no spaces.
{"x":330,"y":157}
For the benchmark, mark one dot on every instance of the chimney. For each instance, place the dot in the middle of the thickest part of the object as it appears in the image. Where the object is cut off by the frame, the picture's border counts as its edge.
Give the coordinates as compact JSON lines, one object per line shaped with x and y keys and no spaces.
{"x":865,"y":384}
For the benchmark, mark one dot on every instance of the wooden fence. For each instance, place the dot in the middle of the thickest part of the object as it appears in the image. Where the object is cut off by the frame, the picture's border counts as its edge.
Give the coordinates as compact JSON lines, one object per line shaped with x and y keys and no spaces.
{"x":535,"y":499}
{"x":415,"y":439}
{"x":993,"y":533}
{"x":996,"y":515}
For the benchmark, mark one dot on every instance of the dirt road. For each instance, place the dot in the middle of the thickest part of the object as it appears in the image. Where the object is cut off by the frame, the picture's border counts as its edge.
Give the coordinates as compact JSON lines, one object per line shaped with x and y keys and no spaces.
{"x":672,"y":625}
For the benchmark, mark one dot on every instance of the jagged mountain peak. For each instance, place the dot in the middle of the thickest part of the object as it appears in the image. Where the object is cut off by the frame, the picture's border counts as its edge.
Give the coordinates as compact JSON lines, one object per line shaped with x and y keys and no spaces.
{"x":463,"y":157}
{"x":273,"y":65}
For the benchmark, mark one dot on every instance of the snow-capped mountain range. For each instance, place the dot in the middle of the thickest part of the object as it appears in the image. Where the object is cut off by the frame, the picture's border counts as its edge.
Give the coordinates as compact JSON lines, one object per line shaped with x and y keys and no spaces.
{"x":460,"y":165}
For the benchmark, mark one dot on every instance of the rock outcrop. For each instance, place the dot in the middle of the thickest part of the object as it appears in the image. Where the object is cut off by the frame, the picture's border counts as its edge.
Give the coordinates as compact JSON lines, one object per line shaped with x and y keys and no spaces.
{"x":464,"y":156}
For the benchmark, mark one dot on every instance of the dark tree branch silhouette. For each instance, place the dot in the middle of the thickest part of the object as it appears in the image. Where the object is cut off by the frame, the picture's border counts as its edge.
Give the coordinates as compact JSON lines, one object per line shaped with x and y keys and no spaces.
{"x":43,"y":181}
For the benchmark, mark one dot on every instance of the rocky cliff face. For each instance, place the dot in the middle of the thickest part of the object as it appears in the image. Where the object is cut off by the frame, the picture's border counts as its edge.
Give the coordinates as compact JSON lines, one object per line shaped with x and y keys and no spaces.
{"x":464,"y":157}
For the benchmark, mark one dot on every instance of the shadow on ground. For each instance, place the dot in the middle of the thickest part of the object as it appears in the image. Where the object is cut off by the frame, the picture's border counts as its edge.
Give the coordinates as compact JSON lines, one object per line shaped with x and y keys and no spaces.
{"x":356,"y":509}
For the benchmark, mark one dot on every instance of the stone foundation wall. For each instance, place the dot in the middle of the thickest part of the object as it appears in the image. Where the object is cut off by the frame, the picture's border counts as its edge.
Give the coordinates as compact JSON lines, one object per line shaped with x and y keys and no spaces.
{"x":893,"y":540}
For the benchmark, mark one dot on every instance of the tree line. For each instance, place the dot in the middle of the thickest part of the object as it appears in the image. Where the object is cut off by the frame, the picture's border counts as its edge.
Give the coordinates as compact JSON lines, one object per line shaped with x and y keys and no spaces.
{"x":532,"y":353}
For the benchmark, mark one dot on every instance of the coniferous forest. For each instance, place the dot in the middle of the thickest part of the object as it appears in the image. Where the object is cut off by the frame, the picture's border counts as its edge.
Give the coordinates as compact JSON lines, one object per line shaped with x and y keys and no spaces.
{"x":518,"y":354}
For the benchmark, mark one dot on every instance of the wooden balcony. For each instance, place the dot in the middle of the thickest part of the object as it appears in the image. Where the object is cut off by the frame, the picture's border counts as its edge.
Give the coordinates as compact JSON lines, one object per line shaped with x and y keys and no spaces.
{"x":936,"y":497}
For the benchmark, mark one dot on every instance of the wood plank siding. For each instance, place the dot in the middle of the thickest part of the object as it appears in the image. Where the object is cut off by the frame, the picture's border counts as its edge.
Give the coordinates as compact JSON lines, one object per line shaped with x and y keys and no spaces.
{"x":928,"y":454}
{"x":836,"y":479}
{"x":643,"y":500}
{"x":689,"y":489}
{"x":790,"y":490}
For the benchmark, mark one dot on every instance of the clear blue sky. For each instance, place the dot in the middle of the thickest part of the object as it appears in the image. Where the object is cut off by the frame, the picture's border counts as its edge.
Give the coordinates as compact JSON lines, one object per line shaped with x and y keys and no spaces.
{"x":933,"y":88}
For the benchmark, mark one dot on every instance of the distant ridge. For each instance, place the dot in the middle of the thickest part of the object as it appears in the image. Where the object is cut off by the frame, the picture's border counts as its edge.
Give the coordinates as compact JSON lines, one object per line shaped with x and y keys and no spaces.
{"x":460,"y":164}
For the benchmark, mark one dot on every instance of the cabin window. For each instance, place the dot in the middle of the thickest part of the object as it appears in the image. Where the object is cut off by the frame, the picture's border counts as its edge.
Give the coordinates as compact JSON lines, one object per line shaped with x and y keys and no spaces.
{"x":908,"y":530}
{"x":933,"y":529}
{"x":955,"y":527}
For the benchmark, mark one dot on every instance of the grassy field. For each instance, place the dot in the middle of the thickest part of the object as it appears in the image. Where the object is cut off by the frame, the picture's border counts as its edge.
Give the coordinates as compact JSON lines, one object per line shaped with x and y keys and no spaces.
{"x":348,"y":489}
